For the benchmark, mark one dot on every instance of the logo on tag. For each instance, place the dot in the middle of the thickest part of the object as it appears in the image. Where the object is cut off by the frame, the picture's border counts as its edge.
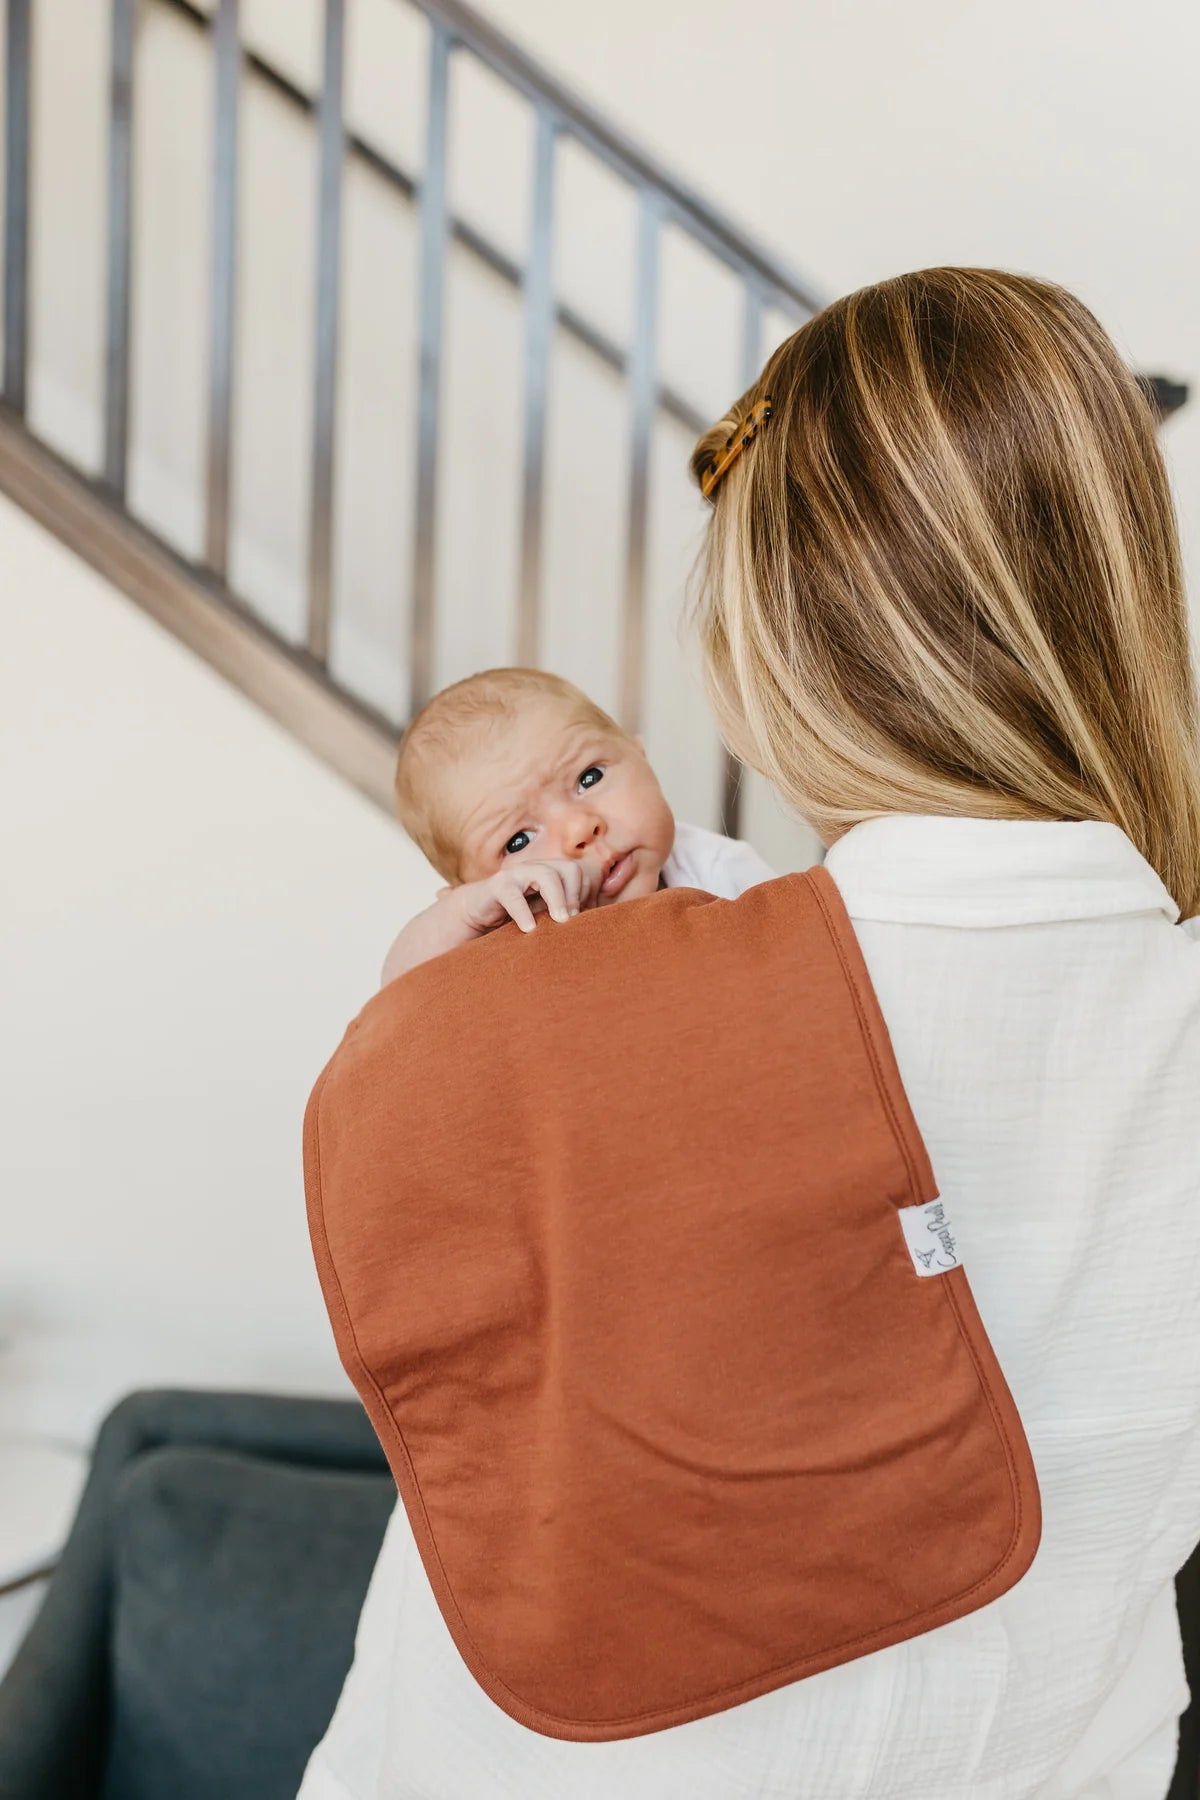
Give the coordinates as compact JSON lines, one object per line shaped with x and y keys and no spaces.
{"x":931,"y":1242}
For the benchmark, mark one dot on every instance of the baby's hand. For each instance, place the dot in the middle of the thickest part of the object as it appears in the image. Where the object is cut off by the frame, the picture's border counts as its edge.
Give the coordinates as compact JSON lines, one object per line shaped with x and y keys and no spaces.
{"x":561,"y":887}
{"x":459,"y":914}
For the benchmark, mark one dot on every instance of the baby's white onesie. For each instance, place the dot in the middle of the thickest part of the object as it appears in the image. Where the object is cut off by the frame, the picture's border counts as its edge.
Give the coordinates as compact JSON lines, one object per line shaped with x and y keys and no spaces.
{"x":718,"y":865}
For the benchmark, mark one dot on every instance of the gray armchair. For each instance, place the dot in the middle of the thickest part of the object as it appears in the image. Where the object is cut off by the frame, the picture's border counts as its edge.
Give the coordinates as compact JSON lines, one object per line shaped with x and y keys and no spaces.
{"x":194,"y":1637}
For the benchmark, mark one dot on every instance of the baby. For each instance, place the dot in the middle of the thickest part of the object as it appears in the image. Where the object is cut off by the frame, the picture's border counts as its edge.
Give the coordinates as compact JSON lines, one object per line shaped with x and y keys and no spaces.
{"x":528,"y":798}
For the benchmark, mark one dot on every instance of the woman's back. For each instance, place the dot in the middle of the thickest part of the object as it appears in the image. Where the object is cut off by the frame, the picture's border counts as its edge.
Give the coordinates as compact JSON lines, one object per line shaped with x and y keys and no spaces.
{"x":1045,"y":1011}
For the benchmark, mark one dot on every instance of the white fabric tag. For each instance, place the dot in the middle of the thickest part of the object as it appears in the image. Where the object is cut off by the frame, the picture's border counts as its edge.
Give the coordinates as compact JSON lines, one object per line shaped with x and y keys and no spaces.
{"x":931,"y":1242}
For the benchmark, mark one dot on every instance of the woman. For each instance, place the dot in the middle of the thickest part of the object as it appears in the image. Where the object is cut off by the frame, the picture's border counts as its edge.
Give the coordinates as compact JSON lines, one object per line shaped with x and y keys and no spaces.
{"x":942,"y":612}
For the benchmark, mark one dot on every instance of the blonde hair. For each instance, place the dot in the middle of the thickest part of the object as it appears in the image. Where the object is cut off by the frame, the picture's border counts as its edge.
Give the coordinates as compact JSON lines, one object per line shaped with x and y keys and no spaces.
{"x":458,"y":720}
{"x":945,"y":576}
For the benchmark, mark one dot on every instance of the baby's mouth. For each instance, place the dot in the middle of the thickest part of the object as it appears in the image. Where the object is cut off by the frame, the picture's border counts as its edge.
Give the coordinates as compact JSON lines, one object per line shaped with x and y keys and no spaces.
{"x":619,"y":872}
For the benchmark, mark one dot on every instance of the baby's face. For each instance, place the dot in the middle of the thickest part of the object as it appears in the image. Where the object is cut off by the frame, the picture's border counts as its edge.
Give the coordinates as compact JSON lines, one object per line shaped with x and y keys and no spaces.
{"x":550,"y":785}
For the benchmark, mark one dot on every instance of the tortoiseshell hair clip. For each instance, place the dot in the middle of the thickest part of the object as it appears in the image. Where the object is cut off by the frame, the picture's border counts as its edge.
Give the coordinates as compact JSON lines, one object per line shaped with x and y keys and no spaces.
{"x":749,"y":428}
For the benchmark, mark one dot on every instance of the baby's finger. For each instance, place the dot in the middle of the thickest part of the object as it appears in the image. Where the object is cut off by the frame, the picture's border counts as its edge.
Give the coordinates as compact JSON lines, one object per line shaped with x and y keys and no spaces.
{"x":591,"y":874}
{"x":517,"y":906}
{"x":549,"y":884}
{"x":571,"y":877}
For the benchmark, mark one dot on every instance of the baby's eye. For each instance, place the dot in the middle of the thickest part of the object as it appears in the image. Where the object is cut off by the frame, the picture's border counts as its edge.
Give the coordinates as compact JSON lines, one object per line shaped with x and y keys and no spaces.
{"x":591,"y":770}
{"x":520,"y":840}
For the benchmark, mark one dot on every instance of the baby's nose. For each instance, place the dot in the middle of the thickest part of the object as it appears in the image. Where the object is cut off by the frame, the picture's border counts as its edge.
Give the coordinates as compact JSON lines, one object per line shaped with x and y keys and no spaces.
{"x":585,"y":834}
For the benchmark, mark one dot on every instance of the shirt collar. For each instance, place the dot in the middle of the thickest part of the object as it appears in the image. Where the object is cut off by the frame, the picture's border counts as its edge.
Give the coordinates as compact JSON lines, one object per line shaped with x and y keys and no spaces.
{"x":921,"y":869}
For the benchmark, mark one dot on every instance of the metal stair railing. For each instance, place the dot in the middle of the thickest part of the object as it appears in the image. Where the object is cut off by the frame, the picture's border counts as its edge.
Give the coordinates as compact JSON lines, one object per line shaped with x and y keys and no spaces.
{"x":454,"y":30}
{"x":661,"y":201}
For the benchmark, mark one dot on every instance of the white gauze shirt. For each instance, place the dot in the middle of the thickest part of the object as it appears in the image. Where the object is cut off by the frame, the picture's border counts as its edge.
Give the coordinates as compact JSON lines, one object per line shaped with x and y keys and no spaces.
{"x":1044,"y":1005}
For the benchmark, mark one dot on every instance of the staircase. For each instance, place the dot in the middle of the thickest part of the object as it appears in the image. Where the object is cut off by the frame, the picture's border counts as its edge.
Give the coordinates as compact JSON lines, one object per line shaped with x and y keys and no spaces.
{"x":565,"y":316}
{"x":361,"y":353}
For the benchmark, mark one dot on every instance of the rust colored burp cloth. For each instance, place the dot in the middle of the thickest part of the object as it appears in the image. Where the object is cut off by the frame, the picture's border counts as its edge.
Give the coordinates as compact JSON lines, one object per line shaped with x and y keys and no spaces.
{"x":683,"y":1402}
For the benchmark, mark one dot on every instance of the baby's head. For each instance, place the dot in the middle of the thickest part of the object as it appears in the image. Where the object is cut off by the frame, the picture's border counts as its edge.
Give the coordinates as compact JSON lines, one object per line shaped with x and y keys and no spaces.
{"x":518,"y":765}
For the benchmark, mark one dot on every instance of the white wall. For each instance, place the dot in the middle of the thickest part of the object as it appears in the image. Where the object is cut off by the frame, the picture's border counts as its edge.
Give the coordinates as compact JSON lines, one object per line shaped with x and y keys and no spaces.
{"x":192,"y":910}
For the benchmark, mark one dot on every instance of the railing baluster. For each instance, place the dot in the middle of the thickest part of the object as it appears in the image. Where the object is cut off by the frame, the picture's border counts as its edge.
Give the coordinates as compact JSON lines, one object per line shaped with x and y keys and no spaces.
{"x":539,"y":301}
{"x":120,"y":229}
{"x":750,"y":366}
{"x":223,"y":277}
{"x":433,"y":284}
{"x":750,"y":357}
{"x":329,"y":256}
{"x":16,"y":201}
{"x":643,"y":393}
